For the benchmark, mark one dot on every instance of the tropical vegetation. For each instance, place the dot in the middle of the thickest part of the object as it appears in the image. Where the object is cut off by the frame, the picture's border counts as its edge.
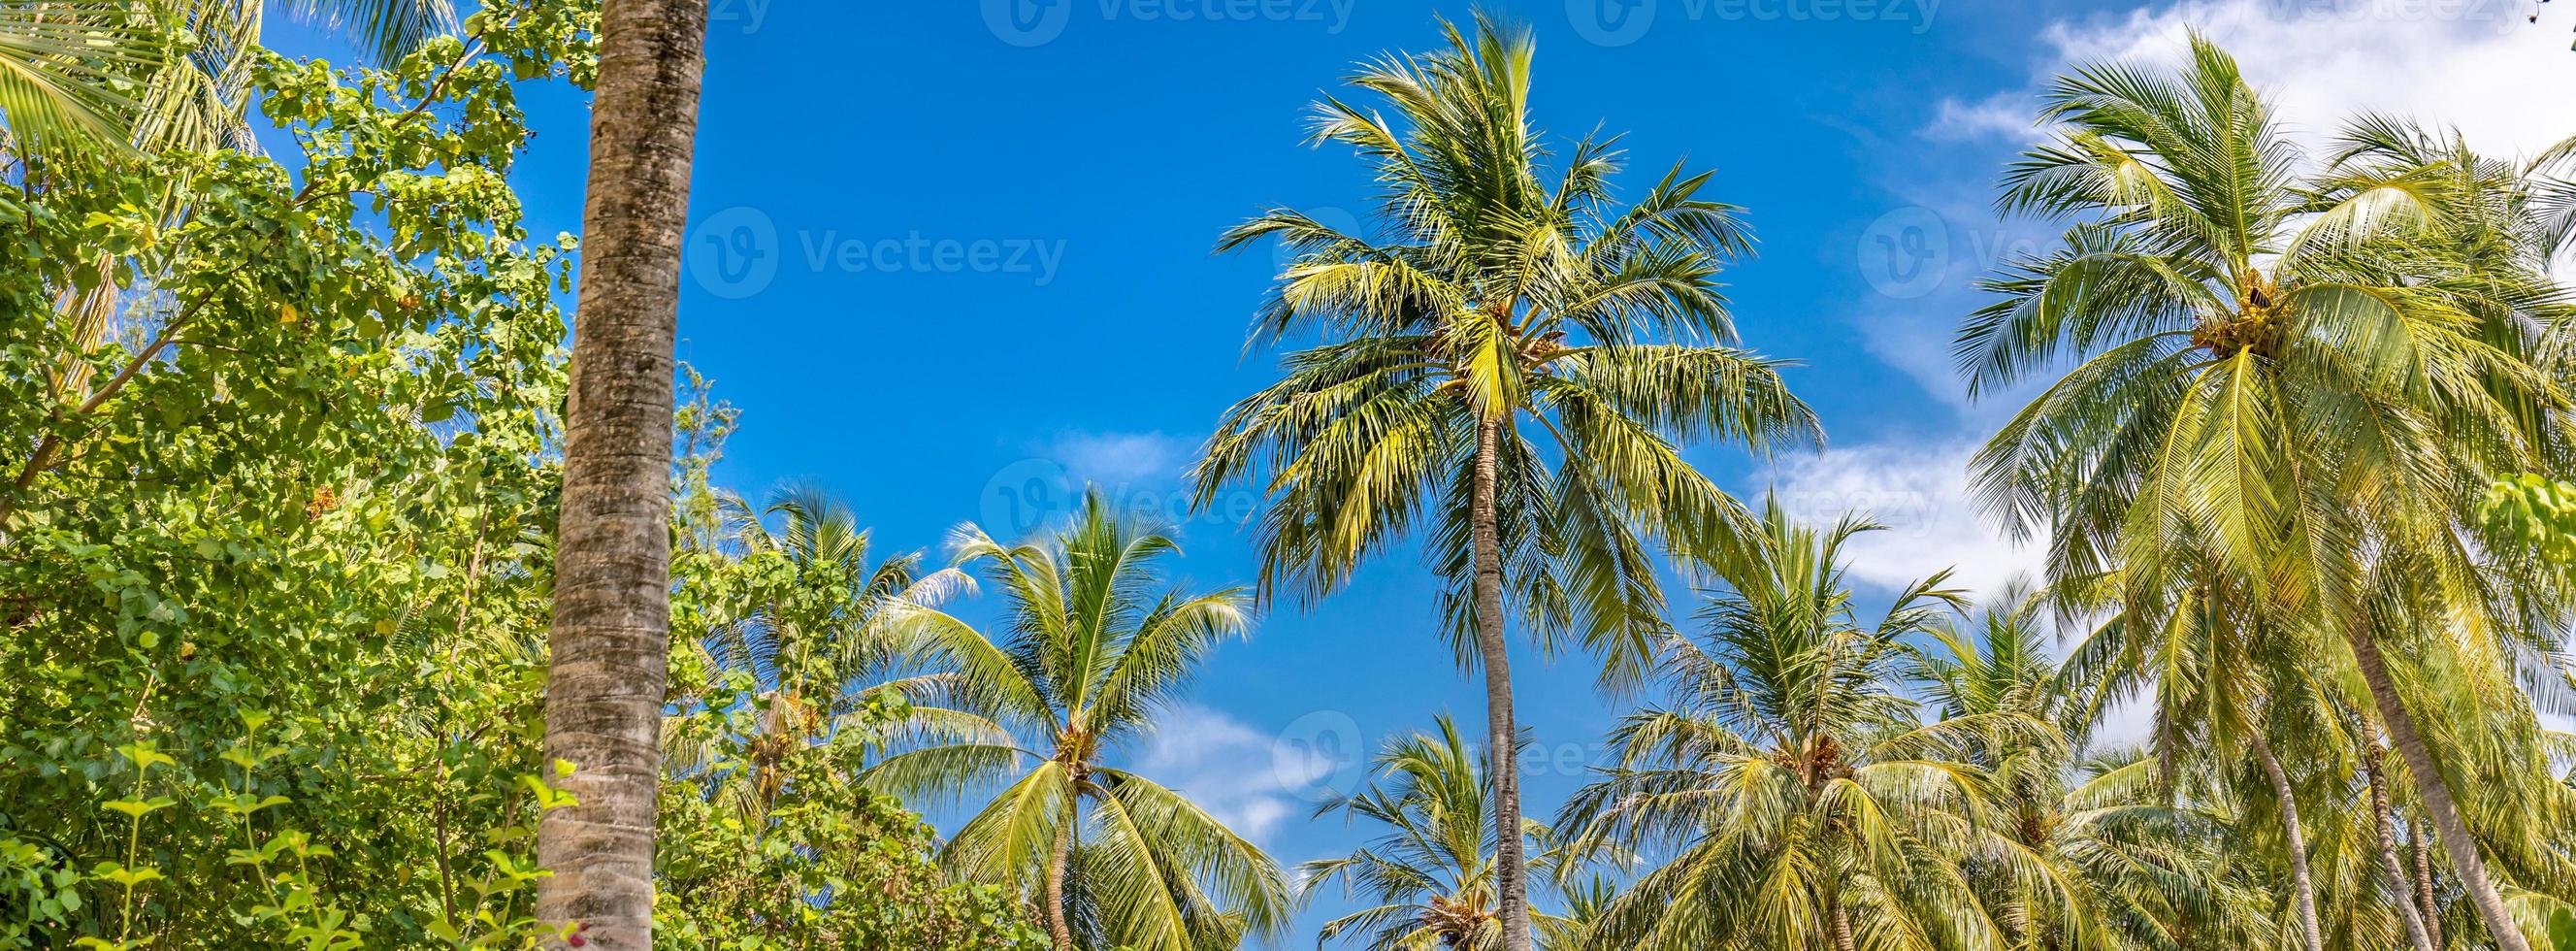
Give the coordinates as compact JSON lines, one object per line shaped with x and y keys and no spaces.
{"x":350,"y":597}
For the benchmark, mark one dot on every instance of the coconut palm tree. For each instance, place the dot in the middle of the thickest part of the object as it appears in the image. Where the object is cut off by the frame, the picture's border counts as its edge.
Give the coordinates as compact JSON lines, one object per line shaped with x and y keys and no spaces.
{"x":2076,"y":851}
{"x":816,"y":620}
{"x":1802,"y":799}
{"x":2296,"y":377}
{"x":1093,"y":645}
{"x":1507,"y":364}
{"x":1431,"y":874}
{"x":610,"y":642}
{"x":165,"y":74}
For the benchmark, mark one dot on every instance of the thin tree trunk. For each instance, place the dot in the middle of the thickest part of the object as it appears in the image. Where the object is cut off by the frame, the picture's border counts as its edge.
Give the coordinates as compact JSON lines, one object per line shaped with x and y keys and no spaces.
{"x":1057,"y":927}
{"x":611,"y":638}
{"x":1842,"y":924}
{"x":2424,"y":897}
{"x":1502,"y":737}
{"x":2435,"y":791}
{"x":2303,"y":889}
{"x":2400,"y":887}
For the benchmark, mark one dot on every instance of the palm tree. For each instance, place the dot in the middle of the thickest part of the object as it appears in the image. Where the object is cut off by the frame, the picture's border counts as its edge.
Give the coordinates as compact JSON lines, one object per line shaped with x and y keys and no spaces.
{"x":1511,"y":362}
{"x":1094,"y":645}
{"x":1431,"y":874}
{"x":817,"y":619}
{"x":2076,"y":851}
{"x":610,"y":641}
{"x":2297,"y":378}
{"x":77,"y":75}
{"x":1803,"y":801}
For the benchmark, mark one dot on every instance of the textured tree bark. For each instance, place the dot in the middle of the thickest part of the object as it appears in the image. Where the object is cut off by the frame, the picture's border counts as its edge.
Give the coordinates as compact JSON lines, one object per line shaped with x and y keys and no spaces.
{"x":2303,"y":889}
{"x":2435,"y":791}
{"x":2400,"y":887}
{"x":610,"y":641}
{"x":1502,"y":736}
{"x":2425,"y":900}
{"x":1058,"y":928}
{"x":1842,"y":925}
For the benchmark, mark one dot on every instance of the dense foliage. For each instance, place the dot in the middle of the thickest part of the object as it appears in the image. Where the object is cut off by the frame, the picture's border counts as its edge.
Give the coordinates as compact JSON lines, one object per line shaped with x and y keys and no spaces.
{"x":283,"y":443}
{"x":278,"y":524}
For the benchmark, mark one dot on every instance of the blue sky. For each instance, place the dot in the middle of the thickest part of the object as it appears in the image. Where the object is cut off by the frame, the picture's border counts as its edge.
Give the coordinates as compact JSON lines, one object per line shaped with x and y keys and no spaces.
{"x":951,"y":258}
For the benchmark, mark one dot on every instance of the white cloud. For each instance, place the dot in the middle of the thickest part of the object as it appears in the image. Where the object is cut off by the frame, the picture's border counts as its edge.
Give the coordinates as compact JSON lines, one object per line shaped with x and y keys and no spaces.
{"x":2474,"y":64}
{"x":1230,"y":769}
{"x":1921,"y":493}
{"x":1120,"y":459}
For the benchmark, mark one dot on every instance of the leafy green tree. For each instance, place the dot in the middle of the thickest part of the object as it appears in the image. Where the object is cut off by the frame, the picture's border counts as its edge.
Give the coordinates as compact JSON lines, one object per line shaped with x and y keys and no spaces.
{"x":1508,"y":364}
{"x":103,"y":78}
{"x":1802,"y":801}
{"x":2308,"y":380}
{"x":1094,"y":644}
{"x":1431,"y":873}
{"x":267,"y":590}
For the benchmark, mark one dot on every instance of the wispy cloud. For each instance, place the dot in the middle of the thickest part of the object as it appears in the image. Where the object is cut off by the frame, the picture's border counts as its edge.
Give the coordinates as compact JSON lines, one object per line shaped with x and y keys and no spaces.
{"x":1234,"y":771}
{"x":1120,"y":459}
{"x":1920,"y":492}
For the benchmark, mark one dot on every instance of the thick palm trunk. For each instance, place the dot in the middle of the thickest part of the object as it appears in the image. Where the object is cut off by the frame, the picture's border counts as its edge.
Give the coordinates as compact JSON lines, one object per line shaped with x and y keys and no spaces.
{"x":1058,"y":928}
{"x":2401,"y":888}
{"x":1842,"y":926}
{"x":2435,"y":791}
{"x":610,"y":642}
{"x":1502,"y":737}
{"x":2303,"y":889}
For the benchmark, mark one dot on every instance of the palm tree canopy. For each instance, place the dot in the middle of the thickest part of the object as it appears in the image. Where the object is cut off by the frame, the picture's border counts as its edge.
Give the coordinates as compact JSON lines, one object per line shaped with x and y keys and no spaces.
{"x":1092,"y":645}
{"x":1498,"y":289}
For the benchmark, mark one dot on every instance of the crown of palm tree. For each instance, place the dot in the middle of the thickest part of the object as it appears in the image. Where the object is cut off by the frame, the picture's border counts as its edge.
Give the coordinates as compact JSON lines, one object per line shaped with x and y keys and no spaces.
{"x":159,"y":74}
{"x":2291,"y":387}
{"x":1092,"y":645}
{"x":1431,"y":872}
{"x":1803,"y":801}
{"x":1493,"y":291}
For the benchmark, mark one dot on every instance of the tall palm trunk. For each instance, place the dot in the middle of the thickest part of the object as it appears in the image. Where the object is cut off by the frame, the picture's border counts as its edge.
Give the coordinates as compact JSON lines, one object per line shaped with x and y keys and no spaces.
{"x":2303,"y":889}
{"x":2401,"y":888}
{"x":2426,"y":902}
{"x":2435,"y":791}
{"x":1502,"y":737}
{"x":1058,"y":927}
{"x":610,"y":642}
